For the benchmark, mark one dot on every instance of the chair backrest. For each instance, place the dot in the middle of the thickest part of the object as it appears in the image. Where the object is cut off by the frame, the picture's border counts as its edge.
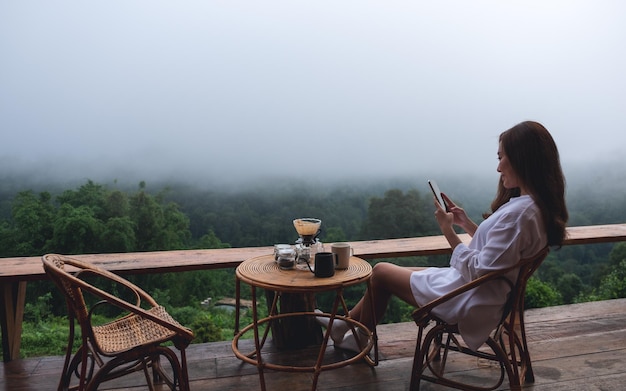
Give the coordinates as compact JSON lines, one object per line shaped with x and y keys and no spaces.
{"x":516,"y":300}
{"x":54,"y":266}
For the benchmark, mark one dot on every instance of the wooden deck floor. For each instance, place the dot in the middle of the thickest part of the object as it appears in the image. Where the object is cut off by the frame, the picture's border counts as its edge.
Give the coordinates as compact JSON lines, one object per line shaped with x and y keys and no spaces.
{"x":574,"y":347}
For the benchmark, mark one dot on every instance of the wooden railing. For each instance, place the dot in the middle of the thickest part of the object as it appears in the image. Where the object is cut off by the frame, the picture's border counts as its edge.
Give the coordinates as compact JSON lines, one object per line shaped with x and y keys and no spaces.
{"x":16,"y":272}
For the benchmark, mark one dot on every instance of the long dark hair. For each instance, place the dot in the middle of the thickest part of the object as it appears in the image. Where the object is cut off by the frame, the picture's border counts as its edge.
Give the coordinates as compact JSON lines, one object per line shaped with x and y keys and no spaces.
{"x":534,"y":157}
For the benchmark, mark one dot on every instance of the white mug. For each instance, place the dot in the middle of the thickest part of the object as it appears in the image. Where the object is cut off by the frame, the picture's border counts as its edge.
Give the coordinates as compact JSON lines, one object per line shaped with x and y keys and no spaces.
{"x":344,"y":252}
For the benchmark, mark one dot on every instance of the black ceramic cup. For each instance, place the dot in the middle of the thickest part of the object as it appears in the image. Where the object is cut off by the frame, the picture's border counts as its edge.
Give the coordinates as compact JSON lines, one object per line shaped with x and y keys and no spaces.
{"x":325,"y":263}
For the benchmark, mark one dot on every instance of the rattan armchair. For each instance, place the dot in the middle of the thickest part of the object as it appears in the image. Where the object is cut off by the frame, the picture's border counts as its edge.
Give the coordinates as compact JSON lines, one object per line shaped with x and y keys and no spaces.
{"x":133,"y":342}
{"x":506,"y":347}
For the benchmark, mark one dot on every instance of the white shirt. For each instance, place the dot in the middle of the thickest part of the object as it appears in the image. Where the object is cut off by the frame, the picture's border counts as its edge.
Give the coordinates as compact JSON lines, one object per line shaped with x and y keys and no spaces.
{"x":515,"y":231}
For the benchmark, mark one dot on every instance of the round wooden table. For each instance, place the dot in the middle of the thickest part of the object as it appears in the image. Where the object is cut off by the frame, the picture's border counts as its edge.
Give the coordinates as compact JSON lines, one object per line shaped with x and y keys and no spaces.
{"x":263,"y":272}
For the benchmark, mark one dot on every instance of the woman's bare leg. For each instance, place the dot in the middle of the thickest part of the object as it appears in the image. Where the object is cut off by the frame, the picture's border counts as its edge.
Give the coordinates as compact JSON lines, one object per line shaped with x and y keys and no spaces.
{"x":387,"y":280}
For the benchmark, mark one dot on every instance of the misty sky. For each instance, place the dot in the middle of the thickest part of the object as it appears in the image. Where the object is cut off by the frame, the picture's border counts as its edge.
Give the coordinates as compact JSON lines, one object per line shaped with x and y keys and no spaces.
{"x":237,"y":89}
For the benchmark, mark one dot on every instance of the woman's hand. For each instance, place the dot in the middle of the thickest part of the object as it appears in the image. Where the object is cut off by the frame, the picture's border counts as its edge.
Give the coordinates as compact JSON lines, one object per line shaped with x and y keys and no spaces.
{"x":446,"y":221}
{"x":459,"y":216}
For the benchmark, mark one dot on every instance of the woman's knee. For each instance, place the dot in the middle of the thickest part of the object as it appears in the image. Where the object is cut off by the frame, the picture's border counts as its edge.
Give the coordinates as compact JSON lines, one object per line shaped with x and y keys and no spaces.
{"x":393,"y":279}
{"x":385,"y":272}
{"x":382,"y":267}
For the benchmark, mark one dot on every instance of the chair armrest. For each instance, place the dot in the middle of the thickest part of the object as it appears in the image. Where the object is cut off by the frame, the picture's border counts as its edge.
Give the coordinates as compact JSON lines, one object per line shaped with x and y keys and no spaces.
{"x":422,"y":313}
{"x":130,"y":307}
{"x":137,"y":292}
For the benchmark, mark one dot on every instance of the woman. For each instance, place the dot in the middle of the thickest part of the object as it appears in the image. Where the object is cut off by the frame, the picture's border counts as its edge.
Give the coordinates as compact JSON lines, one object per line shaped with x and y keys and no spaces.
{"x":528,"y":213}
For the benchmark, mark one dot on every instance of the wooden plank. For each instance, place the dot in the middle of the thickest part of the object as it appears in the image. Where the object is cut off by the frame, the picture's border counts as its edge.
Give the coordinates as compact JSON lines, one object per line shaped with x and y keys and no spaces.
{"x":30,"y":268}
{"x":573,"y":311}
{"x":404,"y":247}
{"x":580,"y":372}
{"x":608,"y":233}
{"x":435,"y":245}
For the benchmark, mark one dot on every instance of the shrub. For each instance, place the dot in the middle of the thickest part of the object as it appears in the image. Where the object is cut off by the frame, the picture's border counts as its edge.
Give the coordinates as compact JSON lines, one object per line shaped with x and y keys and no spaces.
{"x":540,"y":294}
{"x":205,"y":330}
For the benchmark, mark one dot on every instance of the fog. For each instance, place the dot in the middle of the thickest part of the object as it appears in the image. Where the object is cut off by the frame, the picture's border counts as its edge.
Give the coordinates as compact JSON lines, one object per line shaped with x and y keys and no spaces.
{"x":234,"y":91}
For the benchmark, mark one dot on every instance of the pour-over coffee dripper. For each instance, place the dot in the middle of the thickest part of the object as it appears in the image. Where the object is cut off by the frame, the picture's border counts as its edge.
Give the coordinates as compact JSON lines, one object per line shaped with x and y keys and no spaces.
{"x":308,"y":244}
{"x":308,"y":229}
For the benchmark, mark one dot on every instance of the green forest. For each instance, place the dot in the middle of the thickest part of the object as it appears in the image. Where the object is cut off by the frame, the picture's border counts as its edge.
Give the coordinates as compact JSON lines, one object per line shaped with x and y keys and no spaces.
{"x":93,"y":217}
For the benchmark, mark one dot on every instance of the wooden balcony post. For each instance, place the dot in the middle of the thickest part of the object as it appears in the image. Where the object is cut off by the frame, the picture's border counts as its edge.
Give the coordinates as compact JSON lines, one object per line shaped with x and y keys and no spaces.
{"x":13,"y":298}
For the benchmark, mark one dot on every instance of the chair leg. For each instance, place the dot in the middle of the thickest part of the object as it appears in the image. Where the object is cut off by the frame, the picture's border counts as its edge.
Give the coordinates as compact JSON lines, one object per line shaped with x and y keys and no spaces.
{"x":438,"y":340}
{"x":507,"y":365}
{"x":81,"y":365}
{"x":155,"y":363}
{"x":69,"y":369}
{"x":525,"y":362}
{"x":180,"y":378}
{"x":184,"y":376}
{"x":418,"y":362}
{"x":424,"y":355}
{"x":151,"y":381}
{"x":519,"y":356}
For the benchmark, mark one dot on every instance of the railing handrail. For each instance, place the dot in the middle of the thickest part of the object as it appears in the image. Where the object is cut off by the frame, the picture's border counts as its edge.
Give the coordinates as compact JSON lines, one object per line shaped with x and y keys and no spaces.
{"x":29,"y":268}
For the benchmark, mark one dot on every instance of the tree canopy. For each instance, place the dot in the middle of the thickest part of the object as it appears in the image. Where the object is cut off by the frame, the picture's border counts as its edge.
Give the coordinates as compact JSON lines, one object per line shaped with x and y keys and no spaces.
{"x":93,"y":219}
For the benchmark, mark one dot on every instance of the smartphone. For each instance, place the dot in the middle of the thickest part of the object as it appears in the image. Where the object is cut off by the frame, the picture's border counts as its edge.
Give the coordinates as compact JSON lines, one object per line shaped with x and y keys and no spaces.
{"x":437,"y":193}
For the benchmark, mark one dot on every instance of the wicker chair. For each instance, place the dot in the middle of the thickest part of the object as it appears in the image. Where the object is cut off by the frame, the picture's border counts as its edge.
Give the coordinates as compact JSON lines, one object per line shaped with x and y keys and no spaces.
{"x":133,"y":342}
{"x":506,"y":346}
